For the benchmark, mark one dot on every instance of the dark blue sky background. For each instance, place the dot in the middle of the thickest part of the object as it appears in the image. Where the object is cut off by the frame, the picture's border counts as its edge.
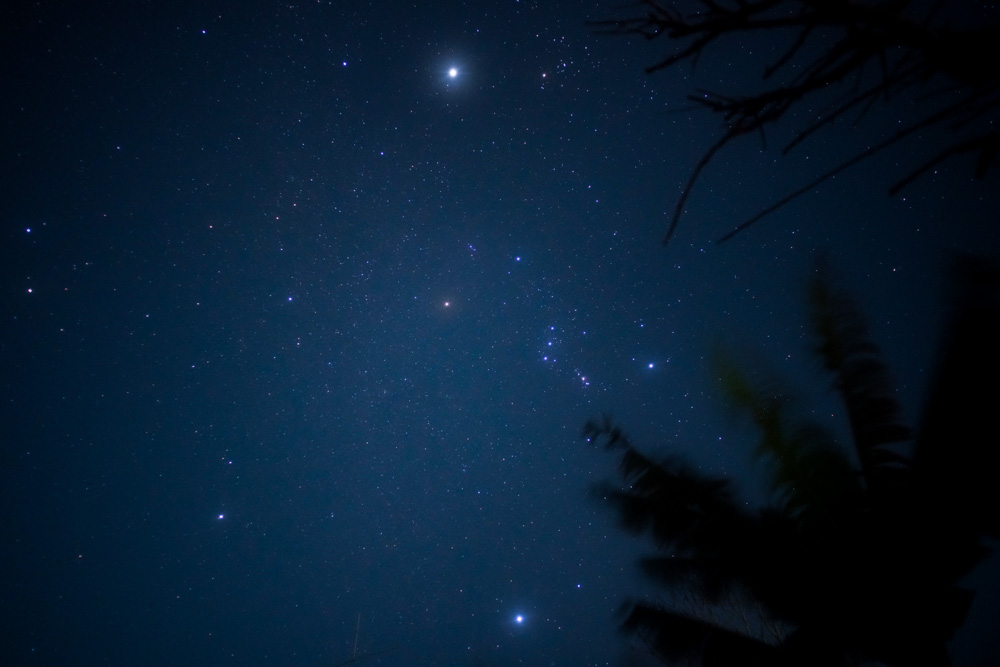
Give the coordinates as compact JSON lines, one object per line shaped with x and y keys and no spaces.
{"x":298,"y":330}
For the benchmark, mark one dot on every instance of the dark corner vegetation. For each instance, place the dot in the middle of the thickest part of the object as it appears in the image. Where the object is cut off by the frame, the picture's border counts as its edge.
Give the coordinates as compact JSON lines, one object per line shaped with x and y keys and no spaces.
{"x":859,"y":553}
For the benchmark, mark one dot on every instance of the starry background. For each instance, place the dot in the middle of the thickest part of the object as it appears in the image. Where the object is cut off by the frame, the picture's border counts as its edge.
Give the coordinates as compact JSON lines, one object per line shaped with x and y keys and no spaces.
{"x":299,"y":331}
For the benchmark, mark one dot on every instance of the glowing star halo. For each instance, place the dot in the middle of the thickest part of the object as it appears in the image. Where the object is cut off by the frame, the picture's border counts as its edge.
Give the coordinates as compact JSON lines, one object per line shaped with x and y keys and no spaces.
{"x":453,"y":72}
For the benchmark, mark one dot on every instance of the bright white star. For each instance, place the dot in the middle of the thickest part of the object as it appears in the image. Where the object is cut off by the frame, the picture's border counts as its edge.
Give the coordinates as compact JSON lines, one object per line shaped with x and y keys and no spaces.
{"x":453,"y":72}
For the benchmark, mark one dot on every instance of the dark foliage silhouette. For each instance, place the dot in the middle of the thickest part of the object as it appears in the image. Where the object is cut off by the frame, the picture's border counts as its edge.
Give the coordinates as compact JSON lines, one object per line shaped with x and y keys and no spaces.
{"x":860,"y":552}
{"x":873,"y":51}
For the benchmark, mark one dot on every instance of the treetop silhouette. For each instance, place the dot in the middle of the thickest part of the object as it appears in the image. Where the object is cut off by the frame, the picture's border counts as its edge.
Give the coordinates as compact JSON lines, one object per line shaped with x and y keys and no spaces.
{"x":861,"y":549}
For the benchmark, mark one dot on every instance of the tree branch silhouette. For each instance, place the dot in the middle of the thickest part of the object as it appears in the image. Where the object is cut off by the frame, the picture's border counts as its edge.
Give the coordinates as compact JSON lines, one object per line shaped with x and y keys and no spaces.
{"x":851,"y":37}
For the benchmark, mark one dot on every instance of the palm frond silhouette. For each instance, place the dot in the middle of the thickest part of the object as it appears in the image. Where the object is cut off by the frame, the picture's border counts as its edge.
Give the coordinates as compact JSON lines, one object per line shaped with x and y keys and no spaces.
{"x":860,"y":551}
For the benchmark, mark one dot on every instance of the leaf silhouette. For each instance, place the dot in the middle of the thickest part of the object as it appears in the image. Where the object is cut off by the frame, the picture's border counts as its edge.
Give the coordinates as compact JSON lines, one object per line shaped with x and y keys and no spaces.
{"x":853,"y":559}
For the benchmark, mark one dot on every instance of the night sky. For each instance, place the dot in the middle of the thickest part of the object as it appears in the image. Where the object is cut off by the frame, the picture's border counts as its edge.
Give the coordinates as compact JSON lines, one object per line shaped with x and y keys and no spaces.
{"x":304,"y":307}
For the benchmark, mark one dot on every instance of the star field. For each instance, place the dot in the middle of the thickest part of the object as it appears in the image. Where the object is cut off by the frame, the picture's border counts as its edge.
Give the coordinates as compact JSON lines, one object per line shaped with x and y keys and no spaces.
{"x":307,"y":304}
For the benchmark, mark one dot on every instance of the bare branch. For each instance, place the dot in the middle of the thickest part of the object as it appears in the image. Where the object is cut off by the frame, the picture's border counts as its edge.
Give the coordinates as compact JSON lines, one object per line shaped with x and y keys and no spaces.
{"x":679,"y":207}
{"x":898,"y":136}
{"x":907,"y":53}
